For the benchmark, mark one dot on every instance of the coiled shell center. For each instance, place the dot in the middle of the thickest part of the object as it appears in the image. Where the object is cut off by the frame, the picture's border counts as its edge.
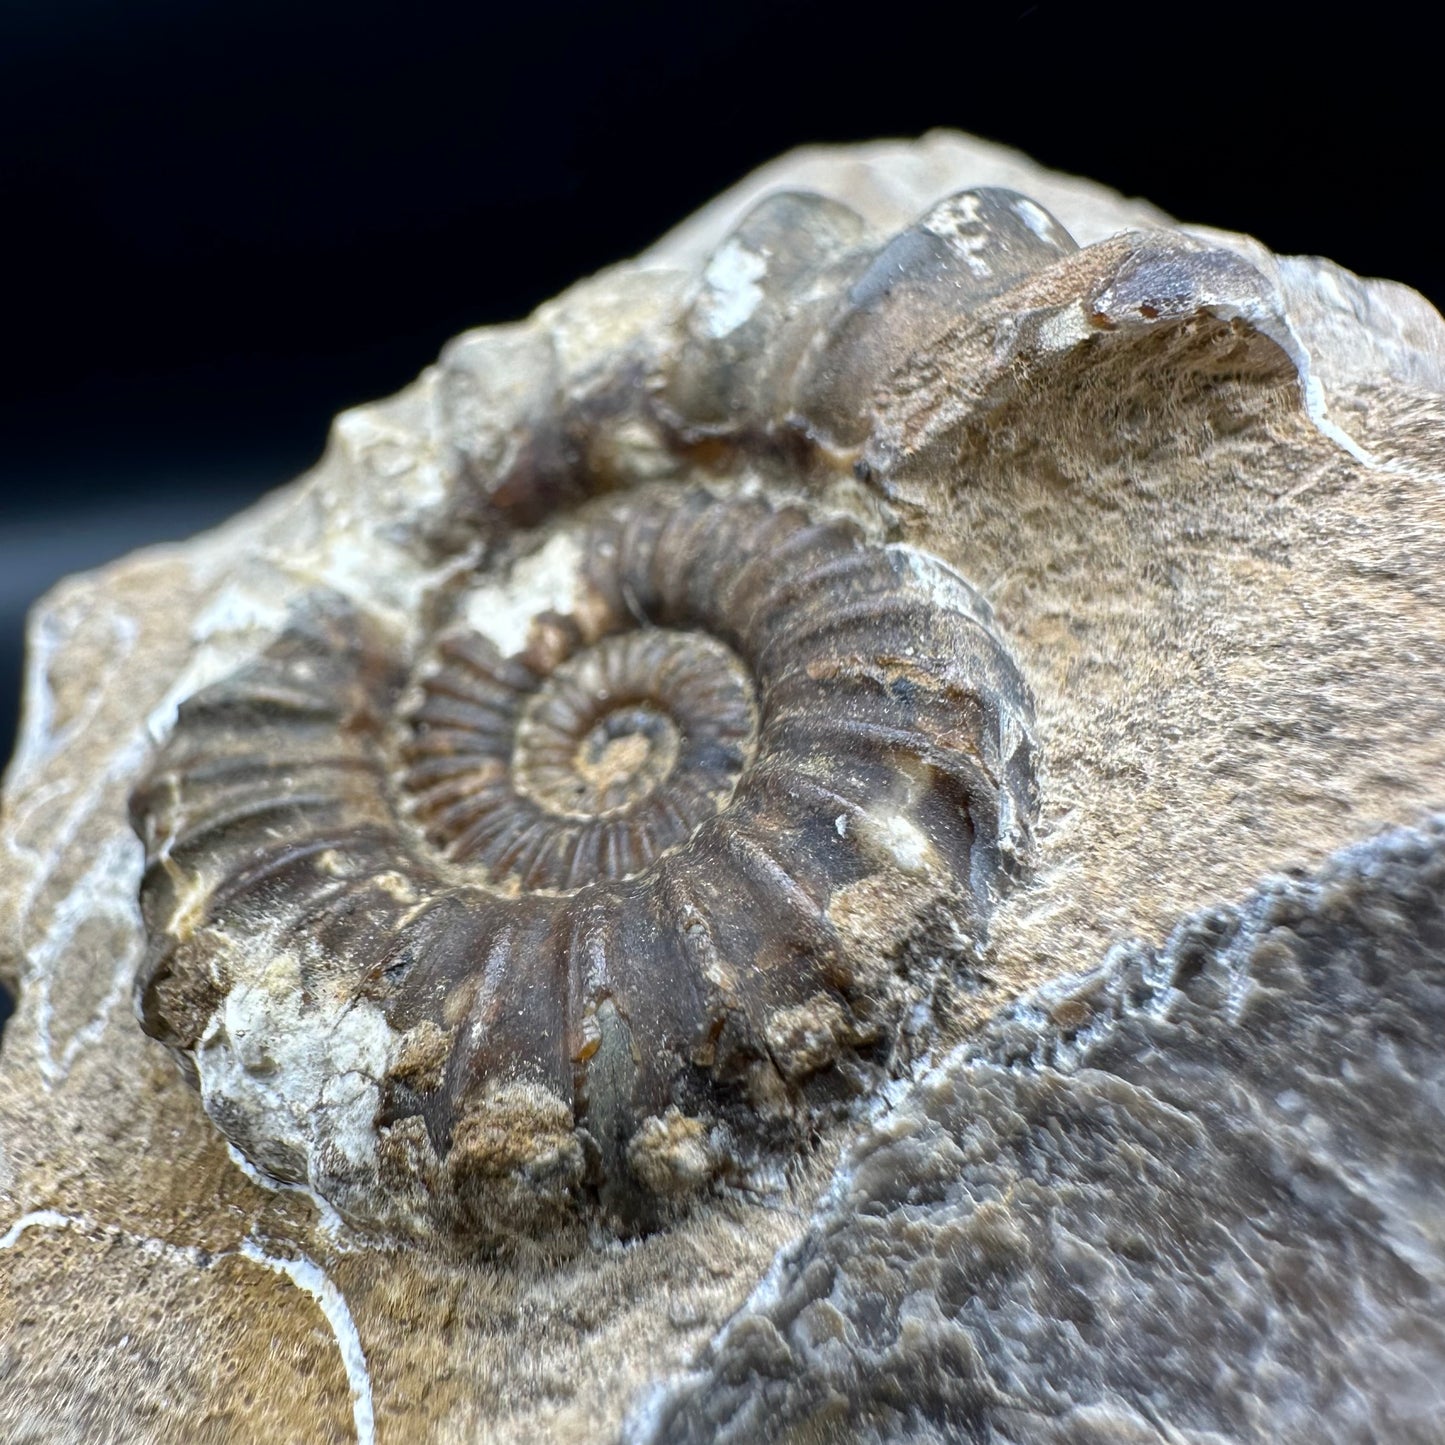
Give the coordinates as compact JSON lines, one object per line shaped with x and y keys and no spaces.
{"x":593,"y":768}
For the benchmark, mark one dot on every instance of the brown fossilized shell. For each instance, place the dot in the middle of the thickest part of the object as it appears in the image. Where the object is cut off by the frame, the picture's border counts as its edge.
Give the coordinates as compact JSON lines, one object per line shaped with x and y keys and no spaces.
{"x":635,"y":865}
{"x":797,"y":318}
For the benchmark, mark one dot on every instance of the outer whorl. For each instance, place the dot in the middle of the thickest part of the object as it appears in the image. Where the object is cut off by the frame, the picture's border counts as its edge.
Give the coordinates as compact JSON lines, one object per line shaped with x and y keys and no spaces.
{"x":605,"y":895}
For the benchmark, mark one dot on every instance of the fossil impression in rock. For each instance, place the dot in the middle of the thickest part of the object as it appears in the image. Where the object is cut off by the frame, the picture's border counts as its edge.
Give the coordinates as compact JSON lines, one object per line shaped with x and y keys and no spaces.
{"x":655,"y":835}
{"x":585,"y":788}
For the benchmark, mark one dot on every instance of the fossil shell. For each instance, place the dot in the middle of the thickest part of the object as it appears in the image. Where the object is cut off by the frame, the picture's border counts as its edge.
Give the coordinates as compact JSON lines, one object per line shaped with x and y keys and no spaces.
{"x":634,"y":868}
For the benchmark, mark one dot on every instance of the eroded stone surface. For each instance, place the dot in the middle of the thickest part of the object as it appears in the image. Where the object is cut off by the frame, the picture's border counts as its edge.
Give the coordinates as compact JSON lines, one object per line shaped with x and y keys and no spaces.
{"x":1199,"y":487}
{"x":1193,"y":1195}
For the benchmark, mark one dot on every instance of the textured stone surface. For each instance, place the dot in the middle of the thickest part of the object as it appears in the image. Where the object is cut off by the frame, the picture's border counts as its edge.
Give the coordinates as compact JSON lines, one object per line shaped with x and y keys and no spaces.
{"x":1199,"y":487}
{"x":1198,"y":1194}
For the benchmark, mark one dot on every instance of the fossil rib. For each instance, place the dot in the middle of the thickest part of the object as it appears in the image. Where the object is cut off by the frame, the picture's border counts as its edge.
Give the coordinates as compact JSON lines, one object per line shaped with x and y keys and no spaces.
{"x":608,"y":890}
{"x":615,"y":893}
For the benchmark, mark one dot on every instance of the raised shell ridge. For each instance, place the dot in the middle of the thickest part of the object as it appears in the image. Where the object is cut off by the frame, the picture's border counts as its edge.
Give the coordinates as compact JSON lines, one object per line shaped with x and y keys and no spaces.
{"x":608,"y":891}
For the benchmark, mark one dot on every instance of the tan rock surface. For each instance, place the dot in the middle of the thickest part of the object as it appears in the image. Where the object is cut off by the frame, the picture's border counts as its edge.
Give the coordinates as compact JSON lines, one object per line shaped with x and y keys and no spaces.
{"x":1204,"y":497}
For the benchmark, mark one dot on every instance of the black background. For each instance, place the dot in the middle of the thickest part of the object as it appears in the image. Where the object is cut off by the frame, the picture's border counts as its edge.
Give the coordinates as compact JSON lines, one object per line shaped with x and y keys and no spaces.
{"x":223,"y":222}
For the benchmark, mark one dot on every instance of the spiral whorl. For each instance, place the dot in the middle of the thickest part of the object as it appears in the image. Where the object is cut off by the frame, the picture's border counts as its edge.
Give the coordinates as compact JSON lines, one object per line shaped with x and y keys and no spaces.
{"x":623,"y":873}
{"x":584,"y":773}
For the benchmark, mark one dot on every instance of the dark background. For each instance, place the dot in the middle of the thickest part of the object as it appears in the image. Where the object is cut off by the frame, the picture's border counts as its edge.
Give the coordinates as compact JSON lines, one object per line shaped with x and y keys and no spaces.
{"x":226,"y":221}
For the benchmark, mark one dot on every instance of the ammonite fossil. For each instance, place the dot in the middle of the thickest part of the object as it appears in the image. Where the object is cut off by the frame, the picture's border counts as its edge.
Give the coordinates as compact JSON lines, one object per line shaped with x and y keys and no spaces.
{"x":610,"y":890}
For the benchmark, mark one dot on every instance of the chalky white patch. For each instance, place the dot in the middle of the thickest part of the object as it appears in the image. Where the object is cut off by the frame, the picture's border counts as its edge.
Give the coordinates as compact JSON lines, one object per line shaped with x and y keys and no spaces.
{"x":899,"y":838}
{"x":300,"y":1092}
{"x":949,"y":219}
{"x":732,"y":292}
{"x":959,"y":225}
{"x":547,"y":581}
